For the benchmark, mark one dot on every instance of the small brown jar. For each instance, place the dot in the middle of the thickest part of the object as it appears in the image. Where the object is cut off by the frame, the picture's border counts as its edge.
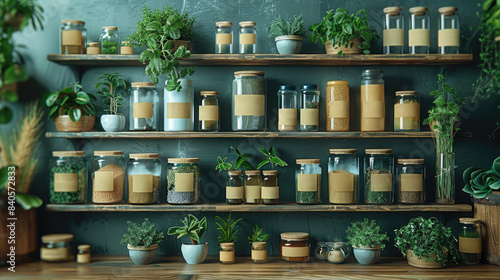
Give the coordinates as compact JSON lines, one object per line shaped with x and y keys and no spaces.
{"x":294,"y":246}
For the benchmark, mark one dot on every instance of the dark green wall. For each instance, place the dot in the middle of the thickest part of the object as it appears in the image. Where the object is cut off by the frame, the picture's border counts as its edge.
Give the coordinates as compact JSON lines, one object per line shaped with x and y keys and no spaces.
{"x":104,"y":230}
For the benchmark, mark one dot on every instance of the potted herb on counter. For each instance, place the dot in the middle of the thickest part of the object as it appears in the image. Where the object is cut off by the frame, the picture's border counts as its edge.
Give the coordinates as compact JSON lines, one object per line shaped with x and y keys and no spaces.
{"x":259,"y":246}
{"x":142,"y":241}
{"x":366,"y":240}
{"x":196,"y":251}
{"x":112,"y":87}
{"x":227,"y":237}
{"x":288,"y":34}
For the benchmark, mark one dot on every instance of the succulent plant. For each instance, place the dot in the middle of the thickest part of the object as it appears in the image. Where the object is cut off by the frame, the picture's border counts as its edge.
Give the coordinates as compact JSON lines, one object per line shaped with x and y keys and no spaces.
{"x":479,"y":182}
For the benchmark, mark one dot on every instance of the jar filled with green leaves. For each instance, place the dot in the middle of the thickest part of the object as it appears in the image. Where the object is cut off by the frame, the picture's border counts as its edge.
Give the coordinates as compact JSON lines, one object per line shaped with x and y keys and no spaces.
{"x":270,"y":188}
{"x":234,"y":187}
{"x":308,"y":181}
{"x":184,"y":181}
{"x":343,"y":173}
{"x":253,"y":185}
{"x":144,"y":171}
{"x":379,"y":170}
{"x":470,"y":240}
{"x":411,"y":181}
{"x":109,"y":40}
{"x":68,"y":177}
{"x":309,"y":112}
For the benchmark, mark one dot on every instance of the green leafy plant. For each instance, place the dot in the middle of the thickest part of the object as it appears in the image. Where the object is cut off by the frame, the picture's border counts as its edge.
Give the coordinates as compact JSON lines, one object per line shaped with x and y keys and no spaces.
{"x":127,"y":44}
{"x":191,"y":227}
{"x":281,"y":27}
{"x":227,"y":229}
{"x":480,"y":182}
{"x":342,"y":28}
{"x":258,"y":235}
{"x":144,"y":234}
{"x":365,"y":234}
{"x":271,"y":158}
{"x":112,"y":87}
{"x":240,"y":162}
{"x":427,"y":238}
{"x":156,"y":31}
{"x":71,"y":101}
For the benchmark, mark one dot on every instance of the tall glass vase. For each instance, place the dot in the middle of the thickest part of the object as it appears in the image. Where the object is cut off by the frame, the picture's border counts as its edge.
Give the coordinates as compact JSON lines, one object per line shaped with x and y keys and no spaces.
{"x":445,"y":178}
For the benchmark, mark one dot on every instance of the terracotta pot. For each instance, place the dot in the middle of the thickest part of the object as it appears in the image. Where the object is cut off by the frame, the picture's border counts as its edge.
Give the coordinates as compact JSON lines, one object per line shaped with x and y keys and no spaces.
{"x":488,"y":210}
{"x":14,"y":21}
{"x":421,"y":261}
{"x":354,"y":50}
{"x":178,"y":43}
{"x":64,"y":123}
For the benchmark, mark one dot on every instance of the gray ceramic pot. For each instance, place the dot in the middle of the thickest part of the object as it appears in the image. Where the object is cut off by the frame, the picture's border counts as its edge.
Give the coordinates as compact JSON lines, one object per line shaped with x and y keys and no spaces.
{"x":113,"y":123}
{"x":288,"y":44}
{"x":194,"y":254}
{"x":366,"y":255}
{"x":141,"y":255}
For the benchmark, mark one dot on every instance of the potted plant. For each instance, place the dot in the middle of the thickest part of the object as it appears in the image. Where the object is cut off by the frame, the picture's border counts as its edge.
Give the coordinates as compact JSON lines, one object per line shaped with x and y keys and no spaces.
{"x":270,"y":186}
{"x":366,"y":240}
{"x":196,"y":251}
{"x":112,"y":87}
{"x":165,"y":34}
{"x":288,"y":34}
{"x":126,"y":47}
{"x":142,"y":241}
{"x":426,"y":243}
{"x":258,"y":241}
{"x":227,"y":237}
{"x":271,"y":158}
{"x":234,"y":184}
{"x":343,"y":33}
{"x":71,"y":109}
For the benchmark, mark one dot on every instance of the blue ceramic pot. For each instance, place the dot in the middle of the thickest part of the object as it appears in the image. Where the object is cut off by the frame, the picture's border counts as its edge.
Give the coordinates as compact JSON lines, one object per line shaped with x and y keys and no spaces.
{"x":194,"y":254}
{"x":366,"y":255}
{"x":141,"y":255}
{"x":288,"y":44}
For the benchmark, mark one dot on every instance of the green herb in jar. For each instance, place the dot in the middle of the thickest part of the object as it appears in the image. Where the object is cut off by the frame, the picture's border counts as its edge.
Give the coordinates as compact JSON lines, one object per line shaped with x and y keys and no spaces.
{"x":376,"y":197}
{"x":77,"y":196}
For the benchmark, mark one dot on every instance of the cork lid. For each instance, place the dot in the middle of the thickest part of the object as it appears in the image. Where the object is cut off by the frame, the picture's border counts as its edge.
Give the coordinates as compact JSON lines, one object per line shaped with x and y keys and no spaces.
{"x":183,"y":160}
{"x":143,"y":84}
{"x":57,"y":237}
{"x":343,"y":151}
{"x":308,"y":161}
{"x":378,"y":151}
{"x":108,"y":153}
{"x":224,"y":24}
{"x":84,"y":247}
{"x":209,"y":93}
{"x":73,"y":21}
{"x":295,"y":236}
{"x":497,"y":39}
{"x":145,"y":156}
{"x":393,"y":11}
{"x":447,"y":11}
{"x":252,"y":172}
{"x":235,"y":172}
{"x":227,"y":246}
{"x":406,"y":92}
{"x":68,"y":153}
{"x":343,"y":83}
{"x":248,"y":73}
{"x":110,"y":28}
{"x":247,"y":23}
{"x":269,"y":172}
{"x":411,"y":161}
{"x":469,"y":220}
{"x":94,"y":44}
{"x":418,"y":11}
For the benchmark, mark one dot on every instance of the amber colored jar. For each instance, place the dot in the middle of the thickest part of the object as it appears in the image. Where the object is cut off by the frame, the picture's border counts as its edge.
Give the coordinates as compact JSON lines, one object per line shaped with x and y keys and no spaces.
{"x":294,"y":246}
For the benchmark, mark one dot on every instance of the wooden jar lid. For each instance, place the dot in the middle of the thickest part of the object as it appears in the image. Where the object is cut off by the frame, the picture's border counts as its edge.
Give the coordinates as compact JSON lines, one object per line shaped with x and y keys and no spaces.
{"x":393,"y":11}
{"x":183,"y":160}
{"x":248,"y":73}
{"x":145,"y":156}
{"x":447,"y":11}
{"x":247,"y":23}
{"x":269,"y":172}
{"x":252,"y":172}
{"x":235,"y":172}
{"x":343,"y":83}
{"x":110,"y":28}
{"x":142,"y":84}
{"x":68,"y":153}
{"x":343,"y":151}
{"x":74,"y":21}
{"x":308,"y":161}
{"x":224,"y":24}
{"x":295,"y":236}
{"x":227,"y":246}
{"x":57,"y":237}
{"x":94,"y":44}
{"x":418,"y":11}
{"x":378,"y":151}
{"x":469,"y":220}
{"x":83,"y":247}
{"x":209,"y":93}
{"x":108,"y":153}
{"x":406,"y":92}
{"x":411,"y":161}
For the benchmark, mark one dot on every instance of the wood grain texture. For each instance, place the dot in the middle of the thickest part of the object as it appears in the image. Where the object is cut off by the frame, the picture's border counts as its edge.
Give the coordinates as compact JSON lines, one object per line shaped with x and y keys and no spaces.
{"x":490,"y":217}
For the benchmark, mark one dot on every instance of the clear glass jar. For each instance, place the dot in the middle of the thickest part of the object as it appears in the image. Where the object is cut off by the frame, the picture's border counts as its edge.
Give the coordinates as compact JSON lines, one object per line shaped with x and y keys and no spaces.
{"x":126,"y":48}
{"x":321,"y":251}
{"x":343,"y":174}
{"x":226,"y":253}
{"x":249,"y":101}
{"x":144,"y":106}
{"x":372,"y":101}
{"x":419,"y":32}
{"x":184,"y":181}
{"x":179,"y":108}
{"x":83,"y":255}
{"x":470,"y":240}
{"x":407,"y":111}
{"x":93,"y":48}
{"x":68,"y":177}
{"x":308,"y":181}
{"x":224,"y":37}
{"x":253,"y":187}
{"x":445,"y":178}
{"x":294,"y":246}
{"x":270,"y":191}
{"x":56,"y":247}
{"x":73,"y":37}
{"x":109,"y":40}
{"x":309,"y":110}
{"x":337,"y":106}
{"x":259,"y":252}
{"x":144,"y":172}
{"x":411,"y":181}
{"x":379,"y":167}
{"x":394,"y":30}
{"x":287,"y":108}
{"x":248,"y":37}
{"x":108,"y":176}
{"x":448,"y":30}
{"x":337,"y":252}
{"x":208,"y":111}
{"x":234,"y":187}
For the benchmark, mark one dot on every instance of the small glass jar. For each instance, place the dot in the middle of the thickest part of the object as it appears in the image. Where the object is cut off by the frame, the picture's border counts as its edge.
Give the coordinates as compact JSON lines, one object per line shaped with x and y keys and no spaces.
{"x":287,"y":108}
{"x":83,"y":255}
{"x":144,"y":106}
{"x":448,"y":30}
{"x":224,"y":37}
{"x":337,"y":106}
{"x":68,"y":177}
{"x":234,"y":187}
{"x":411,"y":181}
{"x":179,"y":108}
{"x":294,"y":247}
{"x":108,"y":176}
{"x":249,"y":101}
{"x":309,"y":110}
{"x":144,"y":171}
{"x":394,"y":30}
{"x":308,"y":181}
{"x":126,"y":48}
{"x":343,"y":174}
{"x":184,"y":181}
{"x":379,"y":167}
{"x":372,"y":101}
{"x":270,"y":191}
{"x":93,"y":48}
{"x":321,"y":251}
{"x":208,"y":111}
{"x":248,"y":37}
{"x":259,"y":252}
{"x":337,"y":252}
{"x":56,"y":247}
{"x":73,"y":37}
{"x":253,"y":186}
{"x":226,"y":253}
{"x":109,"y":40}
{"x":407,"y":111}
{"x":470,"y":240}
{"x":419,"y":32}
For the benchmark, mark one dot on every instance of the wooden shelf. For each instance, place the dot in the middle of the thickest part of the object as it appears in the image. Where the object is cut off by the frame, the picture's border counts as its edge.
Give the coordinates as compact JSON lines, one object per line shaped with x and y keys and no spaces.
{"x":283,"y":207}
{"x":269,"y":59}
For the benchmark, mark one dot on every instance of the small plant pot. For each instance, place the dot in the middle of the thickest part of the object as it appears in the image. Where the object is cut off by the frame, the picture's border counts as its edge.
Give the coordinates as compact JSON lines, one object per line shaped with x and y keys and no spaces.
{"x":226,"y":253}
{"x":421,"y":262}
{"x":345,"y":50}
{"x":64,"y":123}
{"x":259,"y":252}
{"x":141,"y":255}
{"x":289,"y":44}
{"x":126,"y":50}
{"x":113,"y":123}
{"x":194,"y":254}
{"x":367,"y":255}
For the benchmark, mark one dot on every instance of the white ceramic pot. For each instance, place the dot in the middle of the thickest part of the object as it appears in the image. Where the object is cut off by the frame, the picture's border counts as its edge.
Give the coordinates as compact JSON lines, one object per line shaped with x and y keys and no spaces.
{"x":288,"y":44}
{"x":194,"y":254}
{"x":113,"y":123}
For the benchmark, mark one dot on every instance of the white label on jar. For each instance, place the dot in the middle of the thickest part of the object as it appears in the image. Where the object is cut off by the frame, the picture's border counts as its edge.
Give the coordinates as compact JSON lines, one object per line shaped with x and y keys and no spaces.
{"x":381,"y":182}
{"x":142,"y":183}
{"x":250,"y":105}
{"x":407,"y":110}
{"x":252,"y":192}
{"x":234,"y":192}
{"x":143,"y":110}
{"x":226,"y":256}
{"x":224,"y":38}
{"x":449,"y":38}
{"x":184,"y":182}
{"x":295,"y":252}
{"x":394,"y":37}
{"x":287,"y":117}
{"x":419,"y":37}
{"x":103,"y":181}
{"x":469,"y":245}
{"x":178,"y":110}
{"x":338,"y":109}
{"x":270,"y":192}
{"x":71,"y":38}
{"x":341,"y":182}
{"x":65,"y":182}
{"x":247,"y":39}
{"x":54,"y":254}
{"x":308,"y":182}
{"x":309,"y":117}
{"x":259,"y":255}
{"x":208,"y":113}
{"x":412,"y":182}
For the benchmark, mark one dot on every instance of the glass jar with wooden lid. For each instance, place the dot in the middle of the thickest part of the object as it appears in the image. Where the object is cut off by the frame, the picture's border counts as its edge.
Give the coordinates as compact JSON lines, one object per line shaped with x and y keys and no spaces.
{"x":419,"y":31}
{"x":253,"y":186}
{"x":343,"y":173}
{"x":108,"y":176}
{"x":223,"y":37}
{"x":184,"y":181}
{"x":248,"y":37}
{"x":287,"y":108}
{"x":270,"y":189}
{"x":226,"y":253}
{"x":144,"y":106}
{"x":144,"y":171}
{"x":109,"y":40}
{"x":372,"y":100}
{"x":83,"y":255}
{"x":470,"y":240}
{"x":259,"y":252}
{"x":394,"y":30}
{"x":68,"y":177}
{"x":407,"y":111}
{"x":179,"y":107}
{"x":208,"y":111}
{"x":309,"y":108}
{"x":56,"y":247}
{"x":93,"y":48}
{"x":337,"y":106}
{"x":234,"y":187}
{"x":294,"y":246}
{"x":411,"y":181}
{"x":379,"y":170}
{"x":448,"y":30}
{"x":73,"y":37}
{"x":308,"y":181}
{"x":249,"y":101}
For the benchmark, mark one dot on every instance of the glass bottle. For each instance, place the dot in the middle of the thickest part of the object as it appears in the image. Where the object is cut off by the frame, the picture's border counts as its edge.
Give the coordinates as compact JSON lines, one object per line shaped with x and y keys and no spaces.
{"x":73,"y":37}
{"x":226,"y":253}
{"x":337,"y":252}
{"x":184,"y":181}
{"x":407,"y":111}
{"x":179,"y":108}
{"x":109,"y":40}
{"x":83,"y":255}
{"x":93,"y":48}
{"x":372,"y":101}
{"x":309,"y":112}
{"x":108,"y":176}
{"x":144,"y":103}
{"x":234,"y":187}
{"x":470,"y":240}
{"x":445,"y":178}
{"x":411,"y":181}
{"x":419,"y":32}
{"x":394,"y":30}
{"x":379,"y":167}
{"x":144,"y":171}
{"x":208,"y":111}
{"x":270,"y":191}
{"x":308,"y":181}
{"x":248,"y":37}
{"x":249,"y":101}
{"x":321,"y":251}
{"x":259,"y":252}
{"x":287,"y":108}
{"x":337,"y":106}
{"x":56,"y":247}
{"x":68,"y":177}
{"x":448,"y":30}
{"x":343,"y":174}
{"x":224,"y":37}
{"x":294,"y":246}
{"x":253,"y":186}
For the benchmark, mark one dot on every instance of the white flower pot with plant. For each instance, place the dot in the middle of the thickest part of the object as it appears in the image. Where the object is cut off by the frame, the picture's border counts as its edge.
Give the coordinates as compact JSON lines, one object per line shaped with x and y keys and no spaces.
{"x":288,"y":34}
{"x":112,"y":87}
{"x":196,"y":251}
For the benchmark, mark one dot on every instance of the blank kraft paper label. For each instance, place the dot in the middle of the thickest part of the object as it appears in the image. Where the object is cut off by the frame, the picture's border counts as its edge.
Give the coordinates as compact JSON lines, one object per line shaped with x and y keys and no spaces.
{"x":449,"y":38}
{"x":309,"y":117}
{"x":208,"y":113}
{"x":178,"y":110}
{"x":338,"y":109}
{"x":409,"y":110}
{"x":308,"y":182}
{"x":342,"y":182}
{"x":247,"y":39}
{"x":419,"y":37}
{"x":469,"y":245}
{"x":234,"y":192}
{"x":412,"y":182}
{"x":381,"y":182}
{"x":142,"y":183}
{"x":252,"y":192}
{"x":223,"y":39}
{"x":71,"y":38}
{"x":143,"y":110}
{"x":249,"y":105}
{"x":270,"y":192}
{"x":295,"y":252}
{"x":184,"y":182}
{"x":394,"y":37}
{"x":287,"y":117}
{"x":65,"y":182}
{"x":103,"y":181}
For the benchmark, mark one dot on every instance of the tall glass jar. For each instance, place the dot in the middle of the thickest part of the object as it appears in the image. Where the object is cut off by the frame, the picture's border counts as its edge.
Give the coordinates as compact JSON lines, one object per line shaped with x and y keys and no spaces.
{"x":294,"y":246}
{"x":109,"y":40}
{"x":253,"y":187}
{"x":208,"y":111}
{"x":419,"y":32}
{"x":223,"y":37}
{"x":68,"y":177}
{"x":379,"y":167}
{"x":184,"y":181}
{"x":337,"y":106}
{"x":248,"y":37}
{"x":407,"y":111}
{"x":73,"y":37}
{"x":394,"y":30}
{"x":411,"y":181}
{"x":308,"y":181}
{"x":343,"y":173}
{"x":144,"y":106}
{"x":309,"y":110}
{"x":470,"y":240}
{"x":448,"y":31}
{"x":234,"y":187}
{"x":445,"y":178}
{"x":144,"y":171}
{"x":56,"y":247}
{"x":249,"y":101}
{"x":179,"y":107}
{"x":372,"y":101}
{"x":108,"y":176}
{"x":287,"y":108}
{"x":270,"y":189}
{"x":93,"y":48}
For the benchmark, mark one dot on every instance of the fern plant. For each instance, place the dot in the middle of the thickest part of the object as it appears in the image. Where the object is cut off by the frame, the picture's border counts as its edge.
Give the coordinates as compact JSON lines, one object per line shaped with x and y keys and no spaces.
{"x":227,"y":229}
{"x":145,"y":234}
{"x":258,"y":235}
{"x":281,"y":27}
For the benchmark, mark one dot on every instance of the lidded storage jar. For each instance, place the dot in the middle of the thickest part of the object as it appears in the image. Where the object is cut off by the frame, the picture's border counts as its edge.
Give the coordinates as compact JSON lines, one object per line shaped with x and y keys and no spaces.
{"x":109,"y":40}
{"x":372,"y":101}
{"x":56,"y":247}
{"x":411,"y":181}
{"x":343,"y":173}
{"x":394,"y":30}
{"x":470,"y":240}
{"x":249,"y":101}
{"x":379,"y":167}
{"x":287,"y":108}
{"x":448,"y":30}
{"x":337,"y":106}
{"x":309,"y":110}
{"x":419,"y":32}
{"x":224,"y":37}
{"x":93,"y":48}
{"x":208,"y":111}
{"x":234,"y":187}
{"x":108,"y":176}
{"x":144,"y":106}
{"x":253,"y":185}
{"x":144,"y":171}
{"x":179,"y":108}
{"x":68,"y":177}
{"x":407,"y":111}
{"x":73,"y":37}
{"x":294,"y":246}
{"x":248,"y":37}
{"x":270,"y":191}
{"x":308,"y":181}
{"x":184,"y":181}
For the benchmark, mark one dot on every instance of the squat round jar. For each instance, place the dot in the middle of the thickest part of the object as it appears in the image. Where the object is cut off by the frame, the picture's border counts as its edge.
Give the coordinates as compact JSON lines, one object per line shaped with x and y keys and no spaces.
{"x":56,"y":247}
{"x":184,"y":181}
{"x":294,"y":246}
{"x":108,"y":176}
{"x":144,"y":171}
{"x":68,"y":177}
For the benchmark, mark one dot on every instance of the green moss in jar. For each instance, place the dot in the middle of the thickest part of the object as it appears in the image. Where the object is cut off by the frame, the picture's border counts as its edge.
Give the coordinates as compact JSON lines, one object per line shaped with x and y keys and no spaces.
{"x":376,"y":197}
{"x":69,"y":197}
